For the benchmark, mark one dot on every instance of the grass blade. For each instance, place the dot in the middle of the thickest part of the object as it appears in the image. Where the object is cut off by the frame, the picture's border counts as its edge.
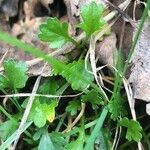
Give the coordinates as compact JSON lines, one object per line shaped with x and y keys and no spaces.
{"x":90,"y":142}
{"x":13,"y":137}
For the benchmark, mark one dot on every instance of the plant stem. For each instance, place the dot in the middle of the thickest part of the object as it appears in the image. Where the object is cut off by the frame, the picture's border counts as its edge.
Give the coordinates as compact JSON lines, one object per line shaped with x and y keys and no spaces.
{"x":137,"y":35}
{"x":6,"y":113}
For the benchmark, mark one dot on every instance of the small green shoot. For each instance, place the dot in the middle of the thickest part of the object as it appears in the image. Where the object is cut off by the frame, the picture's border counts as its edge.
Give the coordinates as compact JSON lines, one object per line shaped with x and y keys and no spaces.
{"x":73,"y":107}
{"x":42,"y":112}
{"x":92,"y":18}
{"x":133,"y":129}
{"x":55,"y":32}
{"x":15,"y":75}
{"x":93,"y":97}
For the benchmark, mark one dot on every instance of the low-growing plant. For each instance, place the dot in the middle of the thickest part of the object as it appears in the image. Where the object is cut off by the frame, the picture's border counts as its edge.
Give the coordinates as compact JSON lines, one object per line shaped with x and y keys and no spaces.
{"x":91,"y":114}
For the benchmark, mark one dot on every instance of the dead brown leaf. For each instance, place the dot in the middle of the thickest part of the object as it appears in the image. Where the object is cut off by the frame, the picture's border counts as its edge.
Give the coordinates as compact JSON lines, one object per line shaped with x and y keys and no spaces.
{"x":106,"y":50}
{"x":140,"y":71}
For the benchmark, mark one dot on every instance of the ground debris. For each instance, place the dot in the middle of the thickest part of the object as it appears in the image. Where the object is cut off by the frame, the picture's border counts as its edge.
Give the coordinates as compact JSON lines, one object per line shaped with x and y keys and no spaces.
{"x":140,"y":71}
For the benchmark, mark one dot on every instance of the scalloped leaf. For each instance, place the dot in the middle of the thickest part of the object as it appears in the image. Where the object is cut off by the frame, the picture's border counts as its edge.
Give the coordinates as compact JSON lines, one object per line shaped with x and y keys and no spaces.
{"x":93,"y":97}
{"x":73,"y":107}
{"x":82,"y":79}
{"x":116,"y":106}
{"x":54,"y":32}
{"x":92,"y":18}
{"x":133,"y":129}
{"x":49,"y":86}
{"x":75,"y":81}
{"x":40,"y":113}
{"x":15,"y":76}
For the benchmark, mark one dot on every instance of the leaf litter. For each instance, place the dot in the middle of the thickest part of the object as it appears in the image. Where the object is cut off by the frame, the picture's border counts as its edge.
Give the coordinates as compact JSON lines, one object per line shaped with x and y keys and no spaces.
{"x":140,"y":70}
{"x":107,"y":59}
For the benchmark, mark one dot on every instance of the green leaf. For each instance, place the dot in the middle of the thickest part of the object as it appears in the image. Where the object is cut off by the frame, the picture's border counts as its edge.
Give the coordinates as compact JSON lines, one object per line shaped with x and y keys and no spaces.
{"x":3,"y":82}
{"x":14,"y":75}
{"x":38,"y":134}
{"x":49,"y":86}
{"x":55,"y":32}
{"x":133,"y":129}
{"x":45,"y":142}
{"x":41,"y":112}
{"x":92,"y":18}
{"x":76,"y":81}
{"x":58,"y":140}
{"x":77,"y":144}
{"x":93,"y":97}
{"x":39,"y":117}
{"x":116,"y":106}
{"x":7,"y":128}
{"x":73,"y":107}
